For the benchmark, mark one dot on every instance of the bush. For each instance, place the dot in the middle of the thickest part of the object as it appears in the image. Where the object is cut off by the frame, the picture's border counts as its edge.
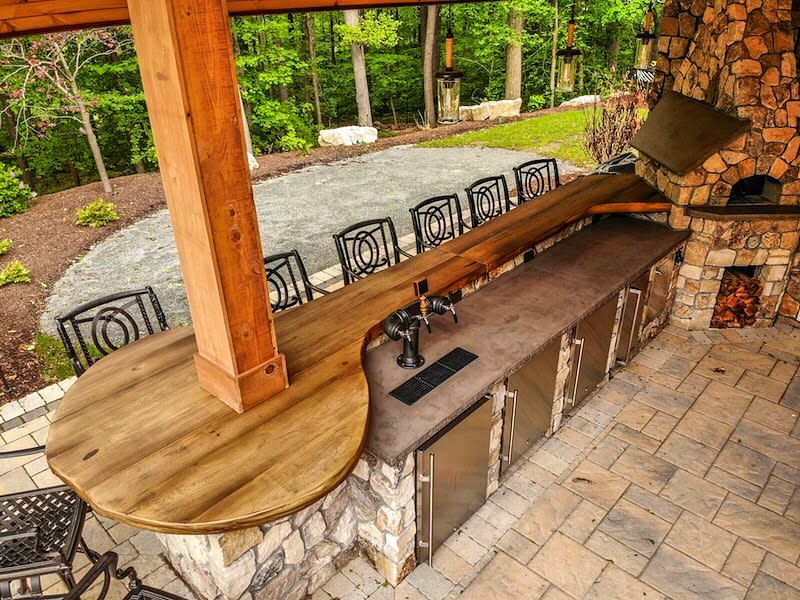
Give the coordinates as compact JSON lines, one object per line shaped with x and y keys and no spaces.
{"x":14,"y":194}
{"x":610,"y":126}
{"x":97,"y":213}
{"x":14,"y":272}
{"x":5,"y":245}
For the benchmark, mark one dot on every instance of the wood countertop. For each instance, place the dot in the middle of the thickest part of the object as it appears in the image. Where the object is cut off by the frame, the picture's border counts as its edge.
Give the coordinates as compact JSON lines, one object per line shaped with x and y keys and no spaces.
{"x":506,"y":323}
{"x":138,"y":438}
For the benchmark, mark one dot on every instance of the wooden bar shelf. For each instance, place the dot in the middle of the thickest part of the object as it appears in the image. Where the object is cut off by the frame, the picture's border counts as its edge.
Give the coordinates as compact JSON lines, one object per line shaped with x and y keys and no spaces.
{"x":139,"y":439}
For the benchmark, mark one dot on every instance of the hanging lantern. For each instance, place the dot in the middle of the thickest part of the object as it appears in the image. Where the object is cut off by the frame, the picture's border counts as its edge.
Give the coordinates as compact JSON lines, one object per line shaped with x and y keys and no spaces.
{"x":645,"y":44}
{"x":448,"y":81}
{"x":568,"y":59}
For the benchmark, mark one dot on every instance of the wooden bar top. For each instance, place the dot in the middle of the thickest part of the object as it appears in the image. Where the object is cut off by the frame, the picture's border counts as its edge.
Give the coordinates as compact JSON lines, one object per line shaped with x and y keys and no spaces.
{"x":138,"y":438}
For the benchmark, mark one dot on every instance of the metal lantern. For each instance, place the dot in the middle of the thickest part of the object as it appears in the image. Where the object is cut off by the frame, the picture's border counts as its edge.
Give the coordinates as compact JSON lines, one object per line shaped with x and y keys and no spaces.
{"x":448,"y":81}
{"x":568,"y":59}
{"x":645,"y":44}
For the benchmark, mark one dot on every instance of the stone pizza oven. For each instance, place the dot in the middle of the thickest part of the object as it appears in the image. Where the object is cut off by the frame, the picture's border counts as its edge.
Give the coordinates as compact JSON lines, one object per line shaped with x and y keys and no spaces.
{"x":722,"y":143}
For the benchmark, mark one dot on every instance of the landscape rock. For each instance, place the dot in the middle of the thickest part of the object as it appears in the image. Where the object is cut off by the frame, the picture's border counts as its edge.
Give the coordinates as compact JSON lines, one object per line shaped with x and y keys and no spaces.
{"x":494,"y":109}
{"x":347,"y":136}
{"x":582,"y":100}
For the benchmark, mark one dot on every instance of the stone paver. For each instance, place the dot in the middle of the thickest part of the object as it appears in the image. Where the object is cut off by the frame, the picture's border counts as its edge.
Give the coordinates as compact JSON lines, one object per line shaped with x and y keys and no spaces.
{"x":654,"y":491}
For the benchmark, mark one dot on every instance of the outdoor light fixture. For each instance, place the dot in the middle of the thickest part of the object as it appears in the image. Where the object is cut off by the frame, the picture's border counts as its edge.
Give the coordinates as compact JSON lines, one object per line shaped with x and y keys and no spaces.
{"x":568,"y":59}
{"x":645,"y":44}
{"x":448,"y":81}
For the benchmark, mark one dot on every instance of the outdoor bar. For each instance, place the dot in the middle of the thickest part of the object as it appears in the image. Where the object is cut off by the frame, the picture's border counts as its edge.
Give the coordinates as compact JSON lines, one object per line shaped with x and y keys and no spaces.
{"x":266,"y":449}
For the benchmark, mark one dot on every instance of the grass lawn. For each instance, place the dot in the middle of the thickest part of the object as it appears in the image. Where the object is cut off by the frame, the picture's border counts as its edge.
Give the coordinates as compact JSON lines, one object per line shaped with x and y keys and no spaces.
{"x":552,"y":134}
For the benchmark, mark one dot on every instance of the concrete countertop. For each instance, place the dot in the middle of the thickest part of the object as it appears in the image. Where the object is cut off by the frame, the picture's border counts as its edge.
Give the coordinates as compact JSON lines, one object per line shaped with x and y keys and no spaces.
{"x":506,"y":323}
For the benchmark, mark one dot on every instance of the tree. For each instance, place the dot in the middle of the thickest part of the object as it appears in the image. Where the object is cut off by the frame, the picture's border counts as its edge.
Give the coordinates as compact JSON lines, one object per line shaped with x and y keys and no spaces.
{"x":514,"y":54}
{"x":312,"y":60}
{"x":352,"y":19}
{"x":41,"y":78}
{"x":429,"y":64}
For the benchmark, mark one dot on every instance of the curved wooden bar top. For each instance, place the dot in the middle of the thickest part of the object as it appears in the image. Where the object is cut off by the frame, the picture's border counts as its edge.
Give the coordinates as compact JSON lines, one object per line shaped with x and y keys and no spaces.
{"x":141,"y":441}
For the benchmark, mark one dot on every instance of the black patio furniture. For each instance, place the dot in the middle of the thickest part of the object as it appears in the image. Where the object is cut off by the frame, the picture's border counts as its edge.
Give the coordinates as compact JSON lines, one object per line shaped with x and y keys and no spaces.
{"x":367,"y":247}
{"x":436,"y":220}
{"x":40,"y":531}
{"x":535,"y":177}
{"x":288,"y":281}
{"x":488,"y":198}
{"x":106,"y":567}
{"x":97,"y":328}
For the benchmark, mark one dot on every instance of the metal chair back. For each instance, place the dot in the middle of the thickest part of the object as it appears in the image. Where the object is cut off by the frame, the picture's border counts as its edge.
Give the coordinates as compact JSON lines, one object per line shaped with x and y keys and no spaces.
{"x":367,"y":247}
{"x":288,"y":281}
{"x":535,"y":177}
{"x":96,"y":328}
{"x":436,"y":220}
{"x":40,"y":531}
{"x":488,"y":198}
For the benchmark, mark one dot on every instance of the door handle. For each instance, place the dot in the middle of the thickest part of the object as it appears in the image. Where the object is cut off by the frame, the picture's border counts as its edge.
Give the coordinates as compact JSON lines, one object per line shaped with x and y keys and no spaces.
{"x":638,"y":294}
{"x":579,"y":343}
{"x":429,"y":480}
{"x":507,"y":457}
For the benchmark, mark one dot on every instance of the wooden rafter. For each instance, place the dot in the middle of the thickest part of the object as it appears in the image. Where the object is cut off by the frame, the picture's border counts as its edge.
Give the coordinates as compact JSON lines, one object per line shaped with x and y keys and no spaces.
{"x":41,"y":16}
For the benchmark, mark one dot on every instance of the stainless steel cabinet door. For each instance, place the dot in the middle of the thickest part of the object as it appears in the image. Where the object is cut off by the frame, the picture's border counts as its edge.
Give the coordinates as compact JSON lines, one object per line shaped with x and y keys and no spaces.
{"x":529,"y":405}
{"x":590,"y":351}
{"x":629,"y":341}
{"x":452,"y":475}
{"x":659,"y":288}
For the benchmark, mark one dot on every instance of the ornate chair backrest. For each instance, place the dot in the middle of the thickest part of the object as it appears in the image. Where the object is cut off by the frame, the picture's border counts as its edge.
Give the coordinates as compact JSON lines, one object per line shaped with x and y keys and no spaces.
{"x":101,"y":326}
{"x":287,"y":280}
{"x":436,"y":220}
{"x":366,"y":247}
{"x":535,"y":177}
{"x":488,"y":198}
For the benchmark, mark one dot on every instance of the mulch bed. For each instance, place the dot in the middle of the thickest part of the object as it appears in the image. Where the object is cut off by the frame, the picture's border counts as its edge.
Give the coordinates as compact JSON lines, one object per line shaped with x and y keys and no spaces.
{"x":47,"y":242}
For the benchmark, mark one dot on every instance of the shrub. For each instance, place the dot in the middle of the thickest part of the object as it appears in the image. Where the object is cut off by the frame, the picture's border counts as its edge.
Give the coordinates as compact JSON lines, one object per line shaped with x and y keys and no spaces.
{"x":610,"y":126}
{"x":14,"y":194}
{"x":97,"y":213}
{"x":5,"y":245}
{"x":14,"y":272}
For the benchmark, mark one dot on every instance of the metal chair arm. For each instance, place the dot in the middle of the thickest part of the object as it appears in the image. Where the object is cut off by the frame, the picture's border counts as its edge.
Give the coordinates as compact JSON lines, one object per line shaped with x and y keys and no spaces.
{"x":21,"y":452}
{"x":404,"y":253}
{"x":316,"y":288}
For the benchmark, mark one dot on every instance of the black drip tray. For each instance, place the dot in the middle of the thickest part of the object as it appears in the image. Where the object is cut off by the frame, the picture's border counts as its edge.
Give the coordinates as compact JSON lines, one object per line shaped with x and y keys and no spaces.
{"x":436,"y":374}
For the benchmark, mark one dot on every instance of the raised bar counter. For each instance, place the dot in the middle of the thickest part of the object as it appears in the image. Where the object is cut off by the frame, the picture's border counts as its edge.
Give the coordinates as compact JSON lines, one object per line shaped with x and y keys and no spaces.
{"x":506,"y":323}
{"x":141,"y":441}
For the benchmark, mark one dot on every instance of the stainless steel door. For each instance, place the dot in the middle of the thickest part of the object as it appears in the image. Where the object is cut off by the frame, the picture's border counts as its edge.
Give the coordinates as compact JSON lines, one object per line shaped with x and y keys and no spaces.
{"x":590,"y":350}
{"x":628,"y":340}
{"x":659,"y":288}
{"x":529,"y":405}
{"x":452,"y":475}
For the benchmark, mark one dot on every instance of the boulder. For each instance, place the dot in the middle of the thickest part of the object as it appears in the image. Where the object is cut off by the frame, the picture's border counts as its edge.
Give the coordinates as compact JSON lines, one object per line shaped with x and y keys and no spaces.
{"x":252,"y":162}
{"x":490,"y":110}
{"x":347,"y":136}
{"x":582,"y":100}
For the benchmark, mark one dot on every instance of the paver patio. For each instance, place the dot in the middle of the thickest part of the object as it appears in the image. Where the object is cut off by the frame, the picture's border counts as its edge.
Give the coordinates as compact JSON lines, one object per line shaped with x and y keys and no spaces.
{"x":677,"y":479}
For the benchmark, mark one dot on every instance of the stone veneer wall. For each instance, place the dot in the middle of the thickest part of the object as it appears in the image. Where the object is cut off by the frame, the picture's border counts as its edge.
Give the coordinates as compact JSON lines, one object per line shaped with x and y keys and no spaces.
{"x":373,"y":511}
{"x":739,"y":57}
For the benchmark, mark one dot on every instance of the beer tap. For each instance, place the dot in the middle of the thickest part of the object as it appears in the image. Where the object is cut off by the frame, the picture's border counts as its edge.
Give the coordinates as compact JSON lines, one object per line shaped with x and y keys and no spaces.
{"x":405,"y":323}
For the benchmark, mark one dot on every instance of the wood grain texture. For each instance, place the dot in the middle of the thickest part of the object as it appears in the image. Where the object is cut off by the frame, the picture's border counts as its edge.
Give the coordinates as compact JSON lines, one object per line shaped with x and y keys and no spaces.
{"x":196,"y":124}
{"x":141,"y":441}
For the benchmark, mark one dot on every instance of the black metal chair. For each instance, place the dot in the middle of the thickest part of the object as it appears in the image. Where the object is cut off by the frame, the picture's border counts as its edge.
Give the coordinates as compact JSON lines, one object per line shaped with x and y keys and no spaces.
{"x":535,"y":177}
{"x":106,"y":567}
{"x":109,"y":323}
{"x":40,"y":531}
{"x":436,"y":220}
{"x":367,"y":247}
{"x":488,"y":198}
{"x":288,"y":281}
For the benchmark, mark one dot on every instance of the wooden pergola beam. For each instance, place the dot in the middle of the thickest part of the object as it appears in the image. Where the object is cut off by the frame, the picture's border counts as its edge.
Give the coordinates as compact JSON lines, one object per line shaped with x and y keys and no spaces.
{"x":43,"y":16}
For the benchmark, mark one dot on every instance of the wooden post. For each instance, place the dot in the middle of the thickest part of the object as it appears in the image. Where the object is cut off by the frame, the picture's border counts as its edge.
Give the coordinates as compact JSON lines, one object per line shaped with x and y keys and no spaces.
{"x":189,"y":77}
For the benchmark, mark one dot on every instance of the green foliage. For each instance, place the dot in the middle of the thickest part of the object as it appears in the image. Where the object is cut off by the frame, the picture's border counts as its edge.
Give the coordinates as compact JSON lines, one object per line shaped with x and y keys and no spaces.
{"x":14,"y":272}
{"x":14,"y":194}
{"x":5,"y":246}
{"x":537,"y":102}
{"x":56,"y":363}
{"x":376,"y":29}
{"x":281,"y":126}
{"x":97,"y":213}
{"x":557,"y":134}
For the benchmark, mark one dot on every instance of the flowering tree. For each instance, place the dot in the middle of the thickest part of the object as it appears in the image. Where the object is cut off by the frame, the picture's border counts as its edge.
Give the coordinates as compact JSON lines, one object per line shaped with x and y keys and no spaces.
{"x":41,"y":81}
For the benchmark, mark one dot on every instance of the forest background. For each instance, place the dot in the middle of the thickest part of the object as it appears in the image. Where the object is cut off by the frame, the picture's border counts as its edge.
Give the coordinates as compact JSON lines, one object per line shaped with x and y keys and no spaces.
{"x":73,"y":109}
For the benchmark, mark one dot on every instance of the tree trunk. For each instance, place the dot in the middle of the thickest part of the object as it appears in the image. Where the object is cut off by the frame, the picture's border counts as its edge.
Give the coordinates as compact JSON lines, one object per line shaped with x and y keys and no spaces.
{"x":514,"y":56}
{"x":553,"y":58}
{"x":428,"y":66}
{"x":88,"y":131}
{"x":312,"y":59}
{"x":613,"y":49}
{"x":352,"y":19}
{"x":139,"y":166}
{"x":76,"y":175}
{"x":332,"y":37}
